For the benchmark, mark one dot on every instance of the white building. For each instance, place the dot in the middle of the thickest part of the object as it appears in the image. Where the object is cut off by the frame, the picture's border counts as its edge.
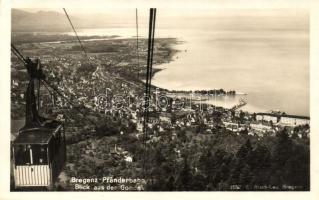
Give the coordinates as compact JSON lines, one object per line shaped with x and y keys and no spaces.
{"x":267,"y":117}
{"x":286,"y":120}
{"x":291,"y":120}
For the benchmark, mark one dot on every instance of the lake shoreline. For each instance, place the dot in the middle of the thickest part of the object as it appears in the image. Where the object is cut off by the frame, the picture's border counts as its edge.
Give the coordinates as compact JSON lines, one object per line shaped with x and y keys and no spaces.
{"x":176,"y":56}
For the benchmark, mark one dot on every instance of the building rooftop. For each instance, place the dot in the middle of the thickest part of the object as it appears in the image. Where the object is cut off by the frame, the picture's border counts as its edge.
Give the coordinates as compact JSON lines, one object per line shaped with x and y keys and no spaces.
{"x":282,"y":115}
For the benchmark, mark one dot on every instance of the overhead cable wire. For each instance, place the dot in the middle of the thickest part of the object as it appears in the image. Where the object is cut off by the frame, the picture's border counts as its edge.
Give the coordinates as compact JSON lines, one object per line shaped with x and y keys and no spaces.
{"x":75,"y":33}
{"x":148,"y":82}
{"x":137,"y":48}
{"x":69,"y":101}
{"x":52,"y":92}
{"x":16,"y":52}
{"x":152,"y":50}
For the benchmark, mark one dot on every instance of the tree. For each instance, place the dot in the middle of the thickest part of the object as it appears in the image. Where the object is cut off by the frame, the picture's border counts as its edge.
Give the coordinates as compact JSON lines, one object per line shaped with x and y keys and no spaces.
{"x":296,"y":169}
{"x":240,"y":162}
{"x":245,"y":177}
{"x":259,"y":162}
{"x":185,"y":177}
{"x":200,"y":128}
{"x":254,"y":117}
{"x":159,"y":157}
{"x":205,"y":161}
{"x":283,"y":149}
{"x":198,"y":182}
{"x":244,"y":151}
{"x":259,"y":157}
{"x":217,"y":117}
{"x":170,"y":184}
{"x":242,"y":117}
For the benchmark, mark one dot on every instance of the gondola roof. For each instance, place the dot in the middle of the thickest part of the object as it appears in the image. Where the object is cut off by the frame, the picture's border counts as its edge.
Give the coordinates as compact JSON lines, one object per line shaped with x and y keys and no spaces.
{"x":38,"y":136}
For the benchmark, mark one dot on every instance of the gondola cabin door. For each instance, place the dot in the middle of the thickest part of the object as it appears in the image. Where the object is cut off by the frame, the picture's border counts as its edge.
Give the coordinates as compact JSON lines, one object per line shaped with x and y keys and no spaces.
{"x":39,"y":155}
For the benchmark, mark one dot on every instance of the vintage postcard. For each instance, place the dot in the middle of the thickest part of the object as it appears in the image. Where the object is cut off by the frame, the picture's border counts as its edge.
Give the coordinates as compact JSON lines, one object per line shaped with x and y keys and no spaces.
{"x":119,"y":96}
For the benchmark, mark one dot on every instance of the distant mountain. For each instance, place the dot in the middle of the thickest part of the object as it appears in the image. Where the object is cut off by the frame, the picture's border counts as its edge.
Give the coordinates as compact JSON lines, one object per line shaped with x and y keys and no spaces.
{"x":39,"y":21}
{"x":51,"y":21}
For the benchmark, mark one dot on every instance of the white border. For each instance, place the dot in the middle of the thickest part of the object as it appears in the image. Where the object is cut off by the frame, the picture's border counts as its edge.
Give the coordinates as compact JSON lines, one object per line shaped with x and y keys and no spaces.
{"x":5,"y":32}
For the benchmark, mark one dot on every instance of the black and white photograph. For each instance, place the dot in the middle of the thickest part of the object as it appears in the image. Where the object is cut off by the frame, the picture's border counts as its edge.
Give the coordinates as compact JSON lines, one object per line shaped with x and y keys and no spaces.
{"x":181,"y":98}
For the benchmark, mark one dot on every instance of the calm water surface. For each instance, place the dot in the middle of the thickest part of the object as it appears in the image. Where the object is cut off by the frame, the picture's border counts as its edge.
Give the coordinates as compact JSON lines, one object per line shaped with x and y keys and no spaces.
{"x":267,"y":58}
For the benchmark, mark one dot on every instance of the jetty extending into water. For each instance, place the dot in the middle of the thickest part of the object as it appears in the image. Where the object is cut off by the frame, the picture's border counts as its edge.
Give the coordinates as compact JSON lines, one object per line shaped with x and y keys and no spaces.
{"x":241,"y":103}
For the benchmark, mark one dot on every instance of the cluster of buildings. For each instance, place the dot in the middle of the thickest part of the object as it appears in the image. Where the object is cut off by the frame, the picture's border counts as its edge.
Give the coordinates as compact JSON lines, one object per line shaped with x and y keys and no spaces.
{"x":129,"y":108}
{"x":123,"y":100}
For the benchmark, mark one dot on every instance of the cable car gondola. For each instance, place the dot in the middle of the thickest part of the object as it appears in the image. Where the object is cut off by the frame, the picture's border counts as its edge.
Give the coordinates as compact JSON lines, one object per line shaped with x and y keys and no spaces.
{"x":39,"y":150}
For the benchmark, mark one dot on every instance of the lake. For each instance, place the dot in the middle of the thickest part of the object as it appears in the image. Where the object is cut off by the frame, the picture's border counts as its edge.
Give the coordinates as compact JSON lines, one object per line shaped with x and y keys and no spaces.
{"x":266,"y":57}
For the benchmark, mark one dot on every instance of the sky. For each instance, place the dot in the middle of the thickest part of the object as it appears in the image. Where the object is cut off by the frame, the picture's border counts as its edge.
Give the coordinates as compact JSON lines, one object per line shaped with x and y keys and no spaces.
{"x":186,"y":6}
{"x":173,"y":12}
